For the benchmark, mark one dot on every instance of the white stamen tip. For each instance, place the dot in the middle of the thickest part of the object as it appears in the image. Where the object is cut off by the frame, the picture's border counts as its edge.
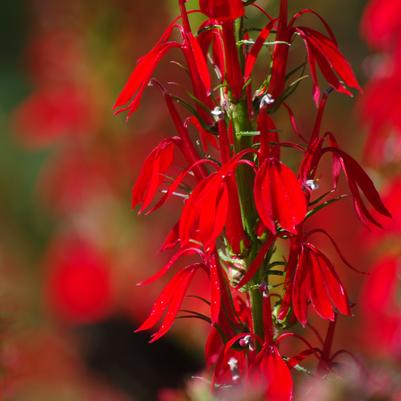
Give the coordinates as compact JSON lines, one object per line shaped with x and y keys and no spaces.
{"x":266,"y":100}
{"x":233,"y":364}
{"x":312,"y":184}
{"x":217,"y":113}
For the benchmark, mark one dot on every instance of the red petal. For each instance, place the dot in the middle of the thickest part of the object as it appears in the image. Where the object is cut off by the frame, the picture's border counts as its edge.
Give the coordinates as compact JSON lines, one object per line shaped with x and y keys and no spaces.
{"x":170,"y":263}
{"x":178,"y":291}
{"x":354,"y":170}
{"x":278,"y":375}
{"x":213,"y":347}
{"x":289,"y":202}
{"x":215,"y":286}
{"x":140,"y":77}
{"x":329,"y":51}
{"x":333,"y":284}
{"x":222,"y":9}
{"x":200,"y":61}
{"x":263,"y":201}
{"x":255,"y":49}
{"x":300,"y":291}
{"x":319,"y":297}
{"x":150,"y":177}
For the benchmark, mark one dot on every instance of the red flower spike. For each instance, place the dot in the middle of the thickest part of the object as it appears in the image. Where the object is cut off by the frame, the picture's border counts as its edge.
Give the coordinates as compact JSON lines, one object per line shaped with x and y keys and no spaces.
{"x":151,"y":176}
{"x":222,"y":9}
{"x":279,"y":196}
{"x":170,"y":300}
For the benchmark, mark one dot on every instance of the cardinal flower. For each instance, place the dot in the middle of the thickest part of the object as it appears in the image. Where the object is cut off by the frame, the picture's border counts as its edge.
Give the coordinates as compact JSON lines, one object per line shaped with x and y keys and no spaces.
{"x":151,"y":176}
{"x":317,"y":282}
{"x":169,"y":302}
{"x":209,"y":206}
{"x":323,"y":51}
{"x":279,"y":197}
{"x":130,"y":97}
{"x":79,"y":287}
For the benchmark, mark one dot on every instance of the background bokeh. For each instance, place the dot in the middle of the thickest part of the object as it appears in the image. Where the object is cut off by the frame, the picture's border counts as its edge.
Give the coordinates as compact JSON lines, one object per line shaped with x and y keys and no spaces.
{"x":71,"y":248}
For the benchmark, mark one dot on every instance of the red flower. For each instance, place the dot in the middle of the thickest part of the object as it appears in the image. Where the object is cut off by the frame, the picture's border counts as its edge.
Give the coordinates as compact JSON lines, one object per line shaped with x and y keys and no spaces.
{"x":279,"y":196}
{"x":358,"y":182}
{"x":151,"y":175}
{"x":79,"y":282}
{"x":316,"y":281}
{"x":324,"y":52}
{"x":131,"y":95}
{"x":169,"y":302}
{"x":274,"y":374}
{"x":51,"y":113}
{"x":381,"y":23}
{"x":381,"y":311}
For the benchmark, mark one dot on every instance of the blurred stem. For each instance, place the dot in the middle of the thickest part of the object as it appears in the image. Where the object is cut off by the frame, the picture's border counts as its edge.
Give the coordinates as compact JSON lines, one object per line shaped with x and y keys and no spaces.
{"x":324,"y":363}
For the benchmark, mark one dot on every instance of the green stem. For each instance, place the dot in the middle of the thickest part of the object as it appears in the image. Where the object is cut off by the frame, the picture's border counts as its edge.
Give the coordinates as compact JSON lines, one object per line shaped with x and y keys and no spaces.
{"x":241,"y":124}
{"x":256,"y":297}
{"x":245,"y":180}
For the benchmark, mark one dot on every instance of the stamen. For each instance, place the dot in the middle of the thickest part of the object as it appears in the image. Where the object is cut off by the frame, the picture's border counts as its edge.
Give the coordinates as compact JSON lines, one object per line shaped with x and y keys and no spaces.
{"x":233,"y":364}
{"x":266,"y":100}
{"x":217,"y":113}
{"x":312,"y":184}
{"x":178,"y":194}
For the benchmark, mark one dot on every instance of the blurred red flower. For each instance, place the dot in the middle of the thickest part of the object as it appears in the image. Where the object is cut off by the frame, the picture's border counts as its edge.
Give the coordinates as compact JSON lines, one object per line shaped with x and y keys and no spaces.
{"x":381,"y":311}
{"x":52,"y":112}
{"x":381,"y":23}
{"x":78,"y":286}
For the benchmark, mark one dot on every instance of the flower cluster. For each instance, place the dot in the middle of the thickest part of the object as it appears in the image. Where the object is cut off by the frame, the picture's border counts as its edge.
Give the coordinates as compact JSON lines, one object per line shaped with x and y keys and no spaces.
{"x":245,"y":212}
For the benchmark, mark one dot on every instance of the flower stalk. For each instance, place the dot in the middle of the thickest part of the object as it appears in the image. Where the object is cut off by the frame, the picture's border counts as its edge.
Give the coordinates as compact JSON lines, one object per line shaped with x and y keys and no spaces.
{"x":246,"y":199}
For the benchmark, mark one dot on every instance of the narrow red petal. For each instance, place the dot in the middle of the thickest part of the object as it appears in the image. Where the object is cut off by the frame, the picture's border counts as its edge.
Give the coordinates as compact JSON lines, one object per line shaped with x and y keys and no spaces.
{"x":178,"y":293}
{"x":278,"y":375}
